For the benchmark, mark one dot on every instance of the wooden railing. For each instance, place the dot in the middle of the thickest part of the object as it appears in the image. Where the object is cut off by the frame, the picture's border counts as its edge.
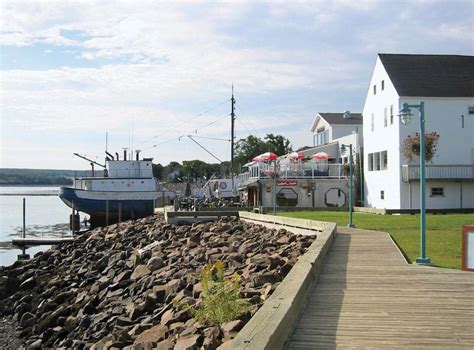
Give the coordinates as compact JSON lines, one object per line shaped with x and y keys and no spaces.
{"x":439,"y":172}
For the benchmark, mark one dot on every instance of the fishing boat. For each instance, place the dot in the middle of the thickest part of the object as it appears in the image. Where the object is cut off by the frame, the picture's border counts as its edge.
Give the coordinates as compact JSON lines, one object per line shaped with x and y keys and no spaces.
{"x":126,"y":190}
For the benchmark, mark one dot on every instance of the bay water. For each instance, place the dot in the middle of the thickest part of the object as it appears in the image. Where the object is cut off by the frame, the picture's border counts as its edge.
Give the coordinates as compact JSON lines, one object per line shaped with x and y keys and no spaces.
{"x":46,"y":216}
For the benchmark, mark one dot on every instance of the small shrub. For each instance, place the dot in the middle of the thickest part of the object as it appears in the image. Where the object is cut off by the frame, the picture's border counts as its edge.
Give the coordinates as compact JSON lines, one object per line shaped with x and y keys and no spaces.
{"x":220,"y":297}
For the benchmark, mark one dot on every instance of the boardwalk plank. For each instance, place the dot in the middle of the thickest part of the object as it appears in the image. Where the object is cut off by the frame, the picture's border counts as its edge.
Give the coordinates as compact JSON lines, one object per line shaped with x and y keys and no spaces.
{"x":367,"y":296}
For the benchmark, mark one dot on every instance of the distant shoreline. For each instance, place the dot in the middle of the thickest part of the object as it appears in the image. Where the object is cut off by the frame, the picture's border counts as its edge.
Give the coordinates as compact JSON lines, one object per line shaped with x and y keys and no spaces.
{"x":30,"y":185}
{"x":30,"y":194}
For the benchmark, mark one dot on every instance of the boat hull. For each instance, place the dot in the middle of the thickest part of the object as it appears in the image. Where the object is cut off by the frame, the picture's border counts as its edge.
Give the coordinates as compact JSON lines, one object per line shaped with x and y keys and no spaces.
{"x":121,"y":205}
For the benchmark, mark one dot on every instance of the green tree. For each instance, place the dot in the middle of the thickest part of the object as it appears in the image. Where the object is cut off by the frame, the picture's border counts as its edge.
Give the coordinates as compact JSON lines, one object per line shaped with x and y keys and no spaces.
{"x":172,"y":171}
{"x":158,"y":171}
{"x":246,"y":149}
{"x":278,"y":144}
{"x":194,"y":168}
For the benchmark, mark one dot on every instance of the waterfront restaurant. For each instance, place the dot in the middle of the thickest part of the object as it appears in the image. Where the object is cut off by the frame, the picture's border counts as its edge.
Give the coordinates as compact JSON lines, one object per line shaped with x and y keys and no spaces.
{"x":299,"y":183}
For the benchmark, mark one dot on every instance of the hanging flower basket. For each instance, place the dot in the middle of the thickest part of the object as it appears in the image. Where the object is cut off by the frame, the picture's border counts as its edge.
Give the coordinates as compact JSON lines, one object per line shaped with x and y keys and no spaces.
{"x":411,"y":146}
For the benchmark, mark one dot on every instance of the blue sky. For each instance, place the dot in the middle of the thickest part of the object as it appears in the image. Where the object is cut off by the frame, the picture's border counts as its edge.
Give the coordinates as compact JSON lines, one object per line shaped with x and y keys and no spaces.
{"x":72,"y":71}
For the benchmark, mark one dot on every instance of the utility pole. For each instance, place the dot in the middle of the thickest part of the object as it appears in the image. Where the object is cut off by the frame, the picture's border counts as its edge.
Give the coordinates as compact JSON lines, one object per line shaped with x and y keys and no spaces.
{"x":232,"y":122}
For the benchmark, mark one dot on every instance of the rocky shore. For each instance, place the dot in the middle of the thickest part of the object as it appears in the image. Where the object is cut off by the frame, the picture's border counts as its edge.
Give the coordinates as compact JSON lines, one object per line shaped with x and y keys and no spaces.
{"x":117,"y":287}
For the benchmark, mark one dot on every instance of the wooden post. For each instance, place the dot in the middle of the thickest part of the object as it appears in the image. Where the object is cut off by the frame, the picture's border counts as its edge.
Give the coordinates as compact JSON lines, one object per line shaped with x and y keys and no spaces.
{"x":73,"y":219}
{"x":120,"y":212}
{"x":24,"y":217}
{"x":107,"y":213}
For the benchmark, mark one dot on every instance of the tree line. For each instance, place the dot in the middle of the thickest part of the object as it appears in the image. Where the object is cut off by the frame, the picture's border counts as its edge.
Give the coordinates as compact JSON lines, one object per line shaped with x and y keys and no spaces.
{"x":245,"y":150}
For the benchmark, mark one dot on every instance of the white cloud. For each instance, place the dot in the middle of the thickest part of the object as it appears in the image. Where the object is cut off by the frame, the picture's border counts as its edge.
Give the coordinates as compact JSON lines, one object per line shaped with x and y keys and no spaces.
{"x":159,"y":53}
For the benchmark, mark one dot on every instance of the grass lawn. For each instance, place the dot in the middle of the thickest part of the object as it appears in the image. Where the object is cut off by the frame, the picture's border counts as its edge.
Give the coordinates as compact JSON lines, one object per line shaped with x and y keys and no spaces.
{"x":443,"y":232}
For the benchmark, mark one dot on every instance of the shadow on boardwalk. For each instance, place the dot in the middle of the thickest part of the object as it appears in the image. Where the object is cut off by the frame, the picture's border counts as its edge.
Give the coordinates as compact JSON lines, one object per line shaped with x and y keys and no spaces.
{"x":325,"y":300}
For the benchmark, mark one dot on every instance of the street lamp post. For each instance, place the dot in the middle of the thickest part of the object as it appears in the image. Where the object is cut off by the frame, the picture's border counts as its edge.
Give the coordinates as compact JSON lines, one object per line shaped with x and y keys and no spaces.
{"x":274,"y":186}
{"x":343,"y":148}
{"x":405,"y":118}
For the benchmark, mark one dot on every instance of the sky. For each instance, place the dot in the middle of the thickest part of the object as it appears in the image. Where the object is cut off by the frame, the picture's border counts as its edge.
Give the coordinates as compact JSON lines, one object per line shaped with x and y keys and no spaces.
{"x":149,"y":73}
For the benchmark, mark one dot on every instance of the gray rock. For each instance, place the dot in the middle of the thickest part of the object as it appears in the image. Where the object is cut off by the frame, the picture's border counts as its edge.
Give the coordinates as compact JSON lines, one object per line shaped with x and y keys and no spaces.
{"x":155,"y":263}
{"x":139,"y":272}
{"x":191,"y":342}
{"x":27,"y":320}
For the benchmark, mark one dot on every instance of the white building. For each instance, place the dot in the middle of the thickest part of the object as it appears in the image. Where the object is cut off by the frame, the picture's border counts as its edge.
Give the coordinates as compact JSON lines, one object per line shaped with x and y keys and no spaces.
{"x":445,"y":83}
{"x":331,"y":130}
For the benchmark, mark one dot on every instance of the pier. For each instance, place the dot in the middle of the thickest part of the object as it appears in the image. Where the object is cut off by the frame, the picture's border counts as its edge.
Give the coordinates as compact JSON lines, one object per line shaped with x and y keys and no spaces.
{"x":36,"y":241}
{"x":367,"y":296}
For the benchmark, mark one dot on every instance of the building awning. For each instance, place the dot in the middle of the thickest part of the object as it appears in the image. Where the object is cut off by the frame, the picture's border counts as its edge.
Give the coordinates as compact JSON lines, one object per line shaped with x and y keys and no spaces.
{"x":248,"y":184}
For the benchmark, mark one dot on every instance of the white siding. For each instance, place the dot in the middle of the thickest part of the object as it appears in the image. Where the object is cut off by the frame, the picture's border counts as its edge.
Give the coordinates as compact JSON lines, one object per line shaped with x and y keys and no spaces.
{"x":381,"y":139}
{"x":450,"y":200}
{"x":455,"y":146}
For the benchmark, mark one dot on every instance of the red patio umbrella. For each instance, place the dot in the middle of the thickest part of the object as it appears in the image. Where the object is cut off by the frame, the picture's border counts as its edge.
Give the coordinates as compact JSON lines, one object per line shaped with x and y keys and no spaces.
{"x":265,"y":157}
{"x":321,"y":156}
{"x":295,"y":155}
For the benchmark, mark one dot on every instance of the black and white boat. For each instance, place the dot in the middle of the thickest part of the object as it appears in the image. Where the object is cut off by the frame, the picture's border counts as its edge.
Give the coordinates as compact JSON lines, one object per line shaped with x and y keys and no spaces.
{"x":127,"y":190}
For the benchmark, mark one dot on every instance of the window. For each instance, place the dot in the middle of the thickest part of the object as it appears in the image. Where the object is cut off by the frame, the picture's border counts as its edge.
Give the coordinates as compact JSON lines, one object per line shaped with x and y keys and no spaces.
{"x":377,"y":161}
{"x":287,"y":197}
{"x":462,"y":121}
{"x":391,"y":114}
{"x":385,"y":117}
{"x":383,"y":85}
{"x":372,"y":117}
{"x":471,"y":110}
{"x":384,"y":160}
{"x":382,"y":194}
{"x":322,"y":137}
{"x":375,"y":89}
{"x":437,"y":191}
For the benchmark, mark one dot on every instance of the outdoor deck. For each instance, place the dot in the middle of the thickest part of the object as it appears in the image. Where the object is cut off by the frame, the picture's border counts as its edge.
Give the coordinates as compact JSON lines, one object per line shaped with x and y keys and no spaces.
{"x":368,"y":297}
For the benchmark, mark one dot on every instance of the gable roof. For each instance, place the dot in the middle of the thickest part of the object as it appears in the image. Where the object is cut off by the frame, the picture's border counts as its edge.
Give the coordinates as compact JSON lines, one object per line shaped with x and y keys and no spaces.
{"x":430,"y":75}
{"x":337,"y":118}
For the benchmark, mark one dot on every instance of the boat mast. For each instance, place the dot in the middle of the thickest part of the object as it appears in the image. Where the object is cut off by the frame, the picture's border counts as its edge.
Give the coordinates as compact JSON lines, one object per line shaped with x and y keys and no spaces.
{"x":232,"y":122}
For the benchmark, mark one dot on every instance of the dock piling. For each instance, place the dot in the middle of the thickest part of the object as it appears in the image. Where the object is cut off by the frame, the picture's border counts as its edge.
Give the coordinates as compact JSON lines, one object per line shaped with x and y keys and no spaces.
{"x":23,"y":255}
{"x":106,"y":213}
{"x":120,"y":212}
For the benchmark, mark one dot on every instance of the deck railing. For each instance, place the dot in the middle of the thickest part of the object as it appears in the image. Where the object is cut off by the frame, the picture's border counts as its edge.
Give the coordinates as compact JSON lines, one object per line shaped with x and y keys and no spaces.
{"x":439,"y":172}
{"x":295,"y":171}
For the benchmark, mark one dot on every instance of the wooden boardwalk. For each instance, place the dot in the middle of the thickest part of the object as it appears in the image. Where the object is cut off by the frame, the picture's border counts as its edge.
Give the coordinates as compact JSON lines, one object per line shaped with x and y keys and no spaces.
{"x":367,"y":296}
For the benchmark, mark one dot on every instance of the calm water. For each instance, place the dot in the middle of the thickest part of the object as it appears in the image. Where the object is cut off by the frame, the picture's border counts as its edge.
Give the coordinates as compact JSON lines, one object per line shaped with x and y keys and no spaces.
{"x":45,"y":216}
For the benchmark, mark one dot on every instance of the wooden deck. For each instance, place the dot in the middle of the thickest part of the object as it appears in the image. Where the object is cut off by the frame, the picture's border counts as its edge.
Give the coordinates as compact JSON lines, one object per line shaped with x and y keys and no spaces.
{"x":35,"y":241}
{"x":367,"y":296}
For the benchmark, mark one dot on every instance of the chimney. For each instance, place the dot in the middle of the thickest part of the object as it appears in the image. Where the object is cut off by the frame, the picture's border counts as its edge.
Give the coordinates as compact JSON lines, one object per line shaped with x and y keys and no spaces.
{"x":125,"y":154}
{"x":117,"y":155}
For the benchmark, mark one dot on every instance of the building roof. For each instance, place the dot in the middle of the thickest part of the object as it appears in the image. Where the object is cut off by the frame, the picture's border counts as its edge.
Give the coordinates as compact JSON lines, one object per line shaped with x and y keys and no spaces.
{"x":430,"y":75}
{"x":337,"y":118}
